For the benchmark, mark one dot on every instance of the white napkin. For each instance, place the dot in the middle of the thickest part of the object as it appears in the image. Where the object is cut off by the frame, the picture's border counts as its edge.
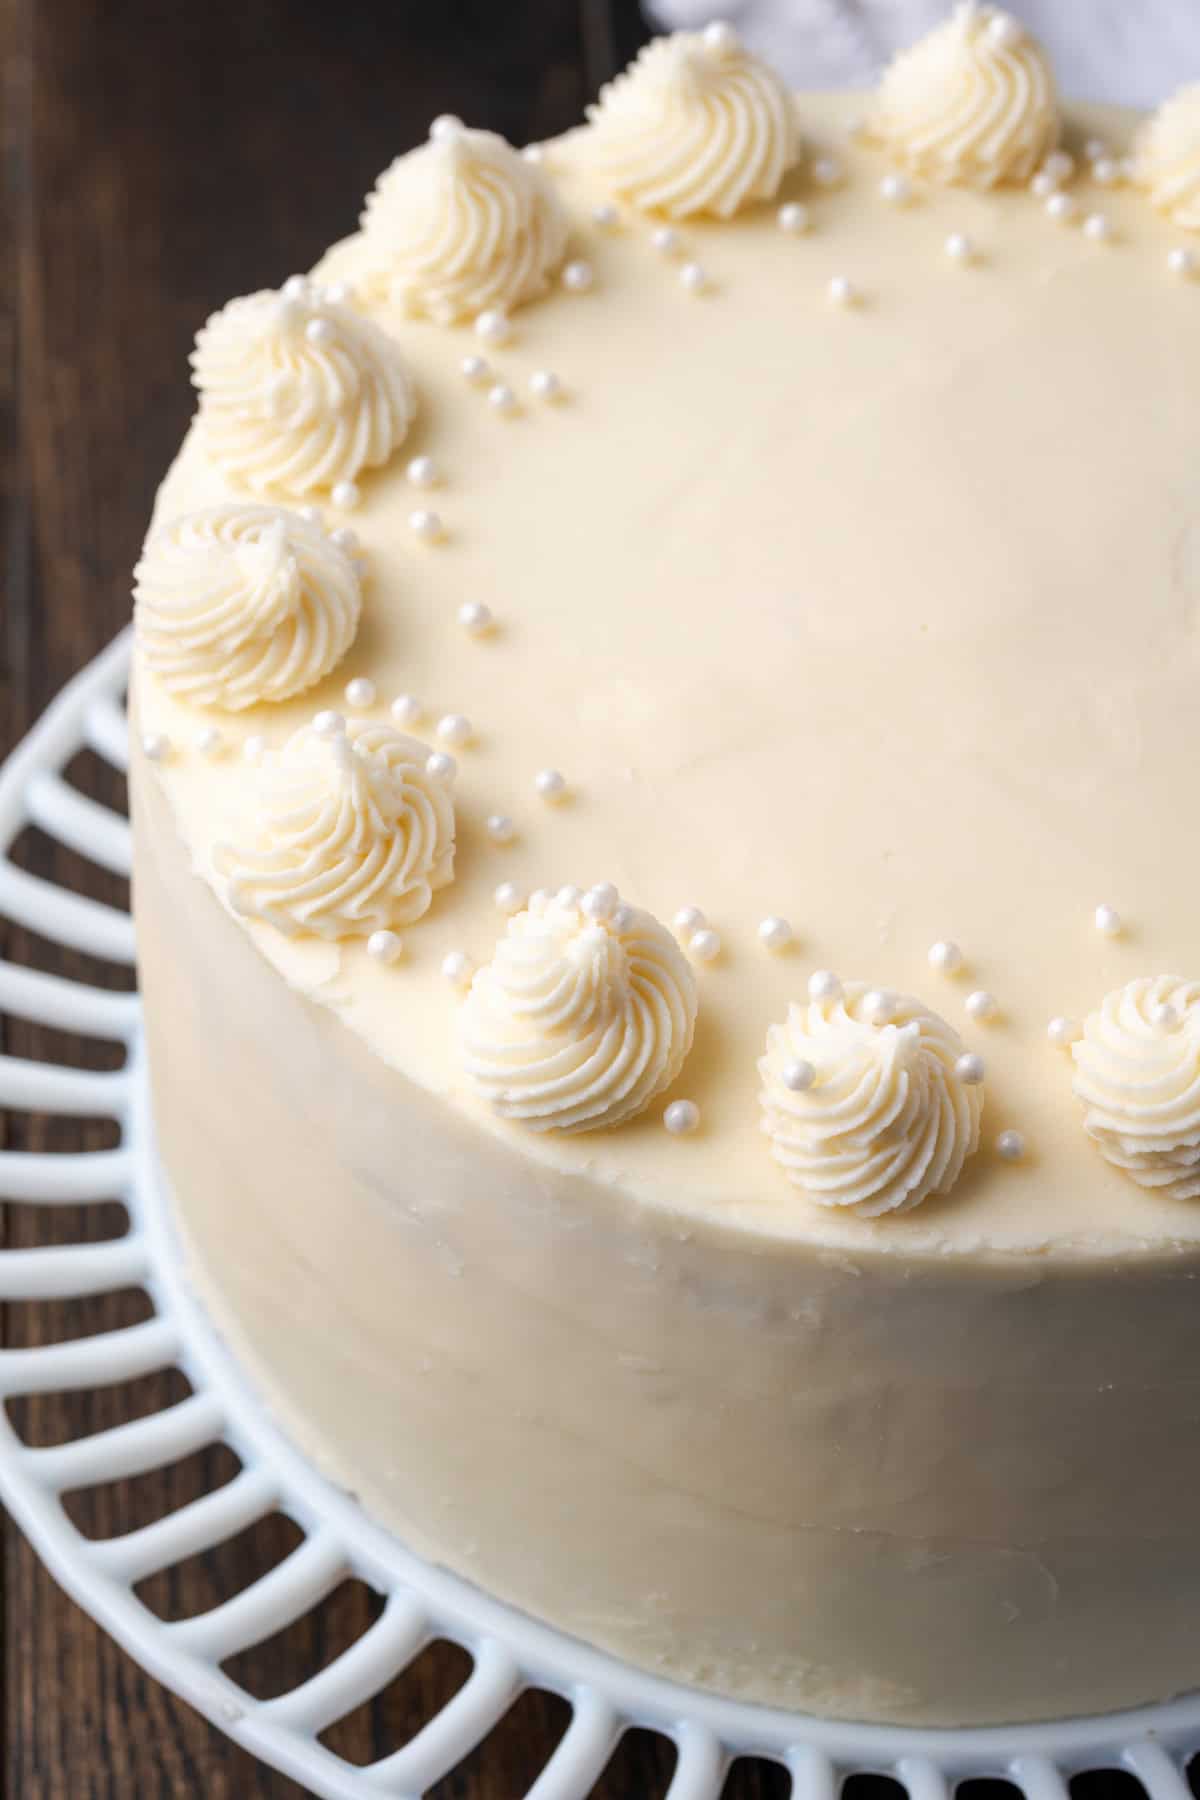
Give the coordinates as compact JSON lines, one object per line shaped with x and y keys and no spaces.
{"x":1132,"y":51}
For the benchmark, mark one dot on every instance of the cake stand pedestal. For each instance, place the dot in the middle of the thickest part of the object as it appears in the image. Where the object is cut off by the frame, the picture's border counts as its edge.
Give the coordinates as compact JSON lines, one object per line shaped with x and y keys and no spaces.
{"x":509,"y":1652}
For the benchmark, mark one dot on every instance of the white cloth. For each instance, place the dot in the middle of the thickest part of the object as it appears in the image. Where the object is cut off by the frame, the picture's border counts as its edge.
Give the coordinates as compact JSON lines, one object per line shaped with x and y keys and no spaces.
{"x":1133,"y":51}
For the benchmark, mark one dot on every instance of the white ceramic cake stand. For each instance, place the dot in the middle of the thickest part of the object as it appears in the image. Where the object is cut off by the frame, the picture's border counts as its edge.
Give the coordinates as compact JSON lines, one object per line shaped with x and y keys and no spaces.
{"x":509,"y":1652}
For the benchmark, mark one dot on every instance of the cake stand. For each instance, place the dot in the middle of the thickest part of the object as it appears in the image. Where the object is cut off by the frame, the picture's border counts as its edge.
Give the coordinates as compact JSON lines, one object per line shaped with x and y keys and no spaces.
{"x":509,"y":1652}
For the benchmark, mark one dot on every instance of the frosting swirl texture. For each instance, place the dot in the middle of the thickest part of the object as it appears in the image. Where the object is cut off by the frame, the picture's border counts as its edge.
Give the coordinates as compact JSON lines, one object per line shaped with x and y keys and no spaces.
{"x":885,"y":1119}
{"x":462,"y":225}
{"x":696,"y":124}
{"x":234,"y":605}
{"x":579,"y":1020}
{"x":1137,"y":1072}
{"x":297,"y":392}
{"x":1167,"y":158}
{"x":353,"y":835}
{"x":970,"y":105}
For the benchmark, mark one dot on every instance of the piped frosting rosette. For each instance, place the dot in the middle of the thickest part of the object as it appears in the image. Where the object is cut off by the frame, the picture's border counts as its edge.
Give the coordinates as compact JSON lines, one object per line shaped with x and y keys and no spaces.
{"x":235,"y":605}
{"x":462,"y":225}
{"x":585,"y":1012}
{"x":696,"y":124}
{"x":297,"y":391}
{"x":863,"y":1102}
{"x":970,"y":105}
{"x":353,"y":834}
{"x":1167,"y":158}
{"x":1137,"y":1072}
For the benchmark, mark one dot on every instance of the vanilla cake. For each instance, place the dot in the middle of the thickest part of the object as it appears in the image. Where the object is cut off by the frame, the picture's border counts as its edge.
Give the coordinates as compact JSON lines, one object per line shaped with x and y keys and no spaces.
{"x":665,"y":686}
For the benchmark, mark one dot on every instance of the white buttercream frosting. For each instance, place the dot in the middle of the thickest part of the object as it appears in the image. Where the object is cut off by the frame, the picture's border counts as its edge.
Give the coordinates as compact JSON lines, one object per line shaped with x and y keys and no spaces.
{"x":352,"y":835}
{"x":972,"y":104}
{"x":463,"y":225}
{"x":579,"y":1020}
{"x":298,"y":391}
{"x":239,"y":604}
{"x":1167,"y":158}
{"x":696,"y":124}
{"x":1137,"y":1072}
{"x":880,"y":1119}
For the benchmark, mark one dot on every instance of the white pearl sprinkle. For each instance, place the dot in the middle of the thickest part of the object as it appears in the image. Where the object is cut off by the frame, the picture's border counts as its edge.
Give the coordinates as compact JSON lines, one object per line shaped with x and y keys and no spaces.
{"x":493,"y":326}
{"x":689,"y":918}
{"x":384,"y":946}
{"x":310,"y":513}
{"x":500,"y":828}
{"x":666,"y":240}
{"x":545,"y":384}
{"x":681,"y":1117}
{"x":406,"y":709}
{"x":879,"y":1006}
{"x":345,"y":496}
{"x":720,"y":36}
{"x":959,"y":248}
{"x":156,"y":746}
{"x":501,"y":399}
{"x":793,"y":217}
{"x":440,"y":766}
{"x":827,"y":171}
{"x":534,"y":153}
{"x":601,"y":901}
{"x":824,"y":985}
{"x":319,"y":331}
{"x":970,"y":1069}
{"x":1062,"y":208}
{"x":1164,"y":1016}
{"x":539,"y":900}
{"x":1098,"y":228}
{"x":254,"y":748}
{"x":1010,"y":1145}
{"x":209,"y":741}
{"x":1043,"y":185}
{"x":508,"y":897}
{"x":774,"y":933}
{"x":1106,"y":171}
{"x":361,"y":692}
{"x":896,"y":189}
{"x":476,"y":369}
{"x":337,"y":293}
{"x":423,"y":472}
{"x":457,"y":967}
{"x":475,"y":618}
{"x":1060,"y":164}
{"x":622,"y":917}
{"x":1181,"y":260}
{"x":446,"y":125}
{"x":551,"y":784}
{"x":694,"y":277}
{"x":1005,"y":31}
{"x":426,"y":525}
{"x":569,"y":895}
{"x":455,"y":728}
{"x":1108,"y":921}
{"x":605,"y":215}
{"x":1063,"y":1032}
{"x":981,"y":1004}
{"x":842,"y":291}
{"x":798,"y":1076}
{"x":946,"y":956}
{"x":295,"y":288}
{"x":705,"y":944}
{"x":345,"y":539}
{"x":578,"y":277}
{"x":329,"y":723}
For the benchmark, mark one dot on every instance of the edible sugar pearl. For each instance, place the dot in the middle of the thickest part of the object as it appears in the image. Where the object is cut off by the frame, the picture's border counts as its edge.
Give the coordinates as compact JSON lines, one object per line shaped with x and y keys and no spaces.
{"x":959,"y":247}
{"x":720,"y":36}
{"x":500,"y":828}
{"x":441,"y":766}
{"x":311,"y":514}
{"x":1106,"y":171}
{"x":798,"y":1076}
{"x":475,"y":618}
{"x":689,"y":919}
{"x":406,"y":709}
{"x":946,"y":956}
{"x":1164,"y":1016}
{"x":1097,"y":227}
{"x":476,"y":369}
{"x":970,"y":1069}
{"x":879,"y":1006}
{"x":455,"y":728}
{"x":705,"y":944}
{"x":550,"y":784}
{"x":1062,"y":208}
{"x":457,"y":967}
{"x":622,"y":917}
{"x":345,"y":539}
{"x":545,"y":384}
{"x":824,"y":985}
{"x":445,"y":126}
{"x":1010,"y":1145}
{"x":826,"y":171}
{"x":423,"y":472}
{"x":337,"y":293}
{"x":981,"y":1004}
{"x":793,"y":217}
{"x":295,"y":288}
{"x":254,"y":748}
{"x":681,"y":1117}
{"x":360,"y":692}
{"x":426,"y":525}
{"x":345,"y":496}
{"x":319,"y":331}
{"x":1062,"y":1032}
{"x":1004,"y":31}
{"x":666,"y":240}
{"x":1060,"y":164}
{"x":209,"y":741}
{"x":501,"y":399}
{"x":775,"y":933}
{"x":578,"y":277}
{"x":1108,"y":921}
{"x":1043,"y":185}
{"x":329,"y":724}
{"x":508,"y":897}
{"x":605,"y":215}
{"x":534,"y":153}
{"x":1181,"y":260}
{"x":896,"y":189}
{"x":156,"y":746}
{"x":568,"y":895}
{"x":493,"y":326}
{"x":693,"y":277}
{"x":842,"y":291}
{"x":384,"y":946}
{"x":600,"y":901}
